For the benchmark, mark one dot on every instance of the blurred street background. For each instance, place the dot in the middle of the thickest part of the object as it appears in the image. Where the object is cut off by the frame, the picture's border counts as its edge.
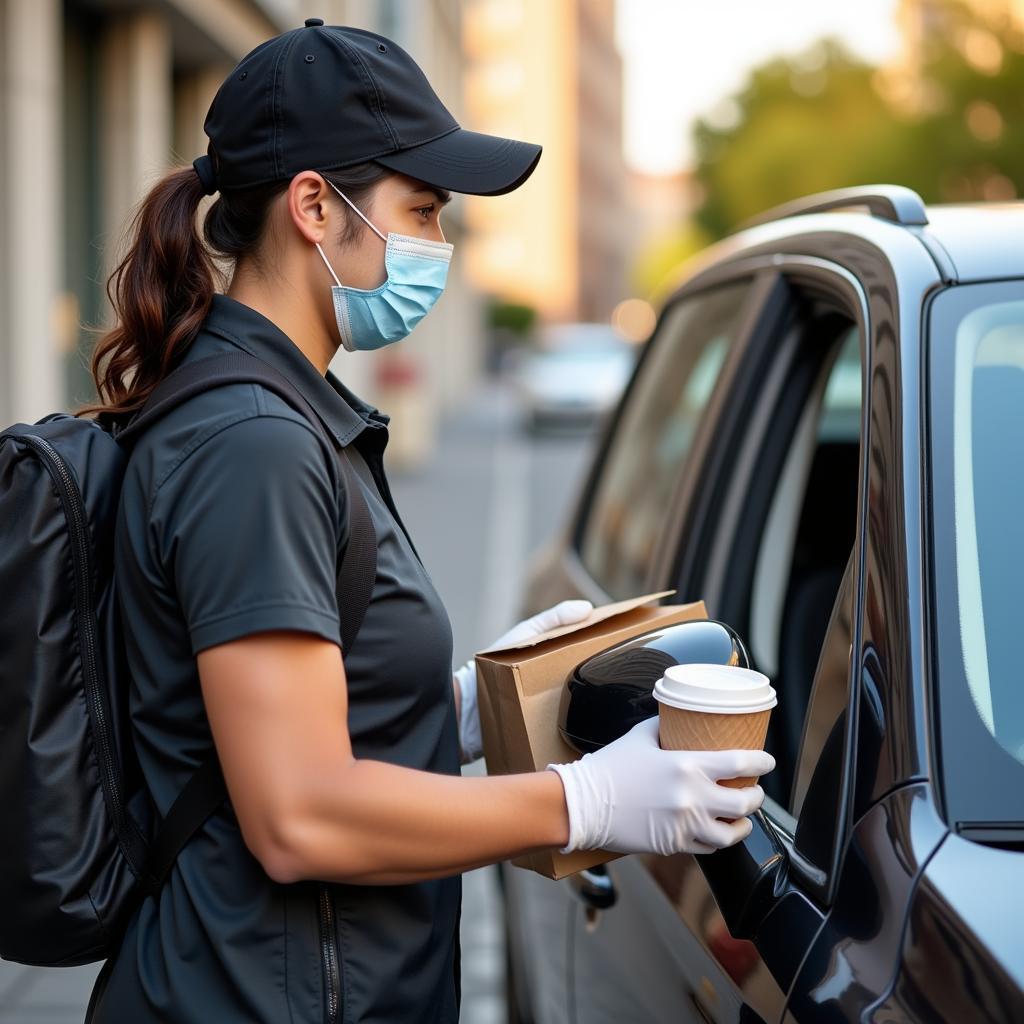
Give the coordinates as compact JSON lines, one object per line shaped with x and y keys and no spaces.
{"x":664,"y":124}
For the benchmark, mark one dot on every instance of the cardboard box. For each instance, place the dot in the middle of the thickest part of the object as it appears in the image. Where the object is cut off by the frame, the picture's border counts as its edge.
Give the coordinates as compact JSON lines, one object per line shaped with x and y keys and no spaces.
{"x":519,"y":692}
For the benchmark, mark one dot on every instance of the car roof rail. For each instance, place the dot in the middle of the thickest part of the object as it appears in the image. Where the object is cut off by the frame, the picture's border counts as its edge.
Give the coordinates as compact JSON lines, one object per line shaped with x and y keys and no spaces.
{"x":894,"y":203}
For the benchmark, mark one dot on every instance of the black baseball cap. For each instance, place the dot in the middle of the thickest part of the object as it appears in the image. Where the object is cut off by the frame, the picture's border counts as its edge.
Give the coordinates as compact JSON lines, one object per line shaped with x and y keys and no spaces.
{"x":323,"y":97}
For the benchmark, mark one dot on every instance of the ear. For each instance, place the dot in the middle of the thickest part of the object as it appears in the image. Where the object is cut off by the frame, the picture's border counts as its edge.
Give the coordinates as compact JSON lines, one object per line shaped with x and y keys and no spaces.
{"x":308,"y":206}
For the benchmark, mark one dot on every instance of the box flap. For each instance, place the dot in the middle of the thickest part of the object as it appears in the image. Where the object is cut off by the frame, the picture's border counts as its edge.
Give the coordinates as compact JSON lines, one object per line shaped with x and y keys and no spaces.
{"x":606,"y":611}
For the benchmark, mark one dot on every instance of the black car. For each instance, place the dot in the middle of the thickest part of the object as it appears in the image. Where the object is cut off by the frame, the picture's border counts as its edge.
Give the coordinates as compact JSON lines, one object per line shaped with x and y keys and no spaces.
{"x":824,"y":440}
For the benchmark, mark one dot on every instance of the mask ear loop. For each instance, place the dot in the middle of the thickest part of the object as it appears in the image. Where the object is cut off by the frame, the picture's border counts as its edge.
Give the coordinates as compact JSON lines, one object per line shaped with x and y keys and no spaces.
{"x":354,"y":207}
{"x":329,"y":267}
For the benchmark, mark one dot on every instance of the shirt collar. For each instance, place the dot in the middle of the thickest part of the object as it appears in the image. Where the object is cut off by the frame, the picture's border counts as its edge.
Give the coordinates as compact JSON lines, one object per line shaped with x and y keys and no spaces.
{"x":344,"y":412}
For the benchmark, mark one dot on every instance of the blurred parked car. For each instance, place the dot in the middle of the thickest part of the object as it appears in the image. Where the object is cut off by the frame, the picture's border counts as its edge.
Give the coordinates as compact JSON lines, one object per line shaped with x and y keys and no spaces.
{"x":824,"y":440}
{"x":575,"y":377}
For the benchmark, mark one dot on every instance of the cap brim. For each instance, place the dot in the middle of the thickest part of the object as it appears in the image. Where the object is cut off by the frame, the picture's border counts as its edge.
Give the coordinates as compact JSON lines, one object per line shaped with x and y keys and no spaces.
{"x":470,"y":162}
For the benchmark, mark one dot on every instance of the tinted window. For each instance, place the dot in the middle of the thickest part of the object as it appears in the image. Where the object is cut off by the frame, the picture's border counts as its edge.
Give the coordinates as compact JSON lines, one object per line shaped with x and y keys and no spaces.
{"x":806,"y":484}
{"x":840,"y":419}
{"x":977,"y":426}
{"x":816,"y":492}
{"x":654,"y":436}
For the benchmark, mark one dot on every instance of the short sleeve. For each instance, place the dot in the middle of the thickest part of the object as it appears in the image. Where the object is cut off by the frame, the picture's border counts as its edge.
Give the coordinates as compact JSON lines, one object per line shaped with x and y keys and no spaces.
{"x":246,"y":531}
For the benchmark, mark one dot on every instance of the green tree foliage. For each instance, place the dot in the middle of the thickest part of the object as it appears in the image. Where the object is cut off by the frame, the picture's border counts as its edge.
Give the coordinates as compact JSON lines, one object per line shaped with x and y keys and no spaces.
{"x":968,"y":143}
{"x":511,"y":316}
{"x":950,"y":125}
{"x":796,"y":127}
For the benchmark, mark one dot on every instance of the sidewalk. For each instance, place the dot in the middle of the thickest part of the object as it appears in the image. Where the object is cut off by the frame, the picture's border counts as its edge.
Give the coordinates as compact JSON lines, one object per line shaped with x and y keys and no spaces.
{"x":37,"y":995}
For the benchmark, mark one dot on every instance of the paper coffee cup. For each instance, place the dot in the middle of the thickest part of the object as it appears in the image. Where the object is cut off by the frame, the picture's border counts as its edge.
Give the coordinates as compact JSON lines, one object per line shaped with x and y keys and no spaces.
{"x":714,"y":707}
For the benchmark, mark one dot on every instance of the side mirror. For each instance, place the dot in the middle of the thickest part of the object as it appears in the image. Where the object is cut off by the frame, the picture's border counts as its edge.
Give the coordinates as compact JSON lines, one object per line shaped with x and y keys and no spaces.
{"x":609,"y":692}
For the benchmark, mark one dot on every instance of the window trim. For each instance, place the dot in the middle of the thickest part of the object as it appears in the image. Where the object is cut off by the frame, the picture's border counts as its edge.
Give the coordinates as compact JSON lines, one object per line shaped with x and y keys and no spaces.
{"x":801,"y":751}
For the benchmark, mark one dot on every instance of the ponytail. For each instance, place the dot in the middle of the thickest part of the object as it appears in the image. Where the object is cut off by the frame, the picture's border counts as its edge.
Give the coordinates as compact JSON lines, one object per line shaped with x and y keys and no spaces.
{"x":160,"y":292}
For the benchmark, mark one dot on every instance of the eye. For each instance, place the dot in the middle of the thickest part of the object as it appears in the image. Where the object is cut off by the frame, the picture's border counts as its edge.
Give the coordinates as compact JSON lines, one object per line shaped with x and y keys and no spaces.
{"x":428,"y":211}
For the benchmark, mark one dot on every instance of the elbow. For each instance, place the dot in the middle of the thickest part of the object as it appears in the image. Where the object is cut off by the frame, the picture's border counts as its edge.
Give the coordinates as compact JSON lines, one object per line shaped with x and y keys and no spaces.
{"x":290,"y":851}
{"x":281,"y":865}
{"x":295,"y":833}
{"x":276,"y":845}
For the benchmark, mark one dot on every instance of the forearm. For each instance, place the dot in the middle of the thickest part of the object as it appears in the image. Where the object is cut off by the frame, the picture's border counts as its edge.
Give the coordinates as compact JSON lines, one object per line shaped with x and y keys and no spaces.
{"x":376,"y":823}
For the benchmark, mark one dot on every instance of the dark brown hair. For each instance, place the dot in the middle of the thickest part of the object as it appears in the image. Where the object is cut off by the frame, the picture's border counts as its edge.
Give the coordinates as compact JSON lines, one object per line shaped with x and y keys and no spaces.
{"x":162,"y":289}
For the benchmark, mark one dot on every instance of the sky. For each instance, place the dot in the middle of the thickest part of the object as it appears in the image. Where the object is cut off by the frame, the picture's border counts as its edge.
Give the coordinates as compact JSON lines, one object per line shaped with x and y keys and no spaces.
{"x":682,"y":57}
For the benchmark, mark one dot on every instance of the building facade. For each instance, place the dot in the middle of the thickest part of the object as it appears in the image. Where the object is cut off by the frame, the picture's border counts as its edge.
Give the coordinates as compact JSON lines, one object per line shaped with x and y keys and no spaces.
{"x":97,"y":100}
{"x":550,"y":73}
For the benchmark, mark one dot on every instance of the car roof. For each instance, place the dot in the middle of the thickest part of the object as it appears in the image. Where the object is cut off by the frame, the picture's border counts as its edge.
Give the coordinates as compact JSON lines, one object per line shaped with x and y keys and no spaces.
{"x":984,"y":240}
{"x":981,"y":241}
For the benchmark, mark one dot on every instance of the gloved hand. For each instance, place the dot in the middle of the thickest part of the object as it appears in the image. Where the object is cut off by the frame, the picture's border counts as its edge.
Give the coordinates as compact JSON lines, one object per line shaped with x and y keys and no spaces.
{"x":562,"y":614}
{"x":632,"y":796}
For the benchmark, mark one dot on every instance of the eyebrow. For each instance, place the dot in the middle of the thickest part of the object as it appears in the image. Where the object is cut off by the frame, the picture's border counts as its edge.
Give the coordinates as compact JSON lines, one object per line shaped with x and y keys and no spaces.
{"x":443,"y":195}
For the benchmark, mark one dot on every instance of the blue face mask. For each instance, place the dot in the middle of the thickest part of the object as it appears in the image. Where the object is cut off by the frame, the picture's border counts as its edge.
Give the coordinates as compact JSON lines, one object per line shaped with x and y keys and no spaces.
{"x":417,"y":271}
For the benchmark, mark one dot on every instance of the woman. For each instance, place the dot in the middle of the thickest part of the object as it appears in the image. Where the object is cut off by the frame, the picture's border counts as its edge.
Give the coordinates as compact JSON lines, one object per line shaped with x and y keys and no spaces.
{"x":328,"y":887}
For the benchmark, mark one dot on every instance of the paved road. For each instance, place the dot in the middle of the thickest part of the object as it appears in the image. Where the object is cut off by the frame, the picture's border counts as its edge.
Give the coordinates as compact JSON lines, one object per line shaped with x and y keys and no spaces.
{"x":487,"y":498}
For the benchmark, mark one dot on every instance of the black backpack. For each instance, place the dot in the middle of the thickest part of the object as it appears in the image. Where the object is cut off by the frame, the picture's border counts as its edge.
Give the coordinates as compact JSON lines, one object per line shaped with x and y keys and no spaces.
{"x":80,"y":844}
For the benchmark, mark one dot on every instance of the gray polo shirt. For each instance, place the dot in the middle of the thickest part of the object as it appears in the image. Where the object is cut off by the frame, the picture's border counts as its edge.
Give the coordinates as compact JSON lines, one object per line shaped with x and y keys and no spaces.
{"x":231,"y":521}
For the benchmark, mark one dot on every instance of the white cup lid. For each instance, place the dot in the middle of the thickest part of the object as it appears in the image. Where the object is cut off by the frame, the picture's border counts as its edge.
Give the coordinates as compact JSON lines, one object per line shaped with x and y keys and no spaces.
{"x":718,"y":689}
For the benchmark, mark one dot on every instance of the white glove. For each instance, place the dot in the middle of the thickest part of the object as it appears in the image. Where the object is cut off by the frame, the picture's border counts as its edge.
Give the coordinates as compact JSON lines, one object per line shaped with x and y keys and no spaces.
{"x":632,"y":796}
{"x":562,"y":614}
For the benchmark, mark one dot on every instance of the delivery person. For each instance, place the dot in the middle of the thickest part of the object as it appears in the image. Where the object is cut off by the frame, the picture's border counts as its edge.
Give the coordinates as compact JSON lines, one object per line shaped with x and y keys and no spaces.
{"x":327,"y":888}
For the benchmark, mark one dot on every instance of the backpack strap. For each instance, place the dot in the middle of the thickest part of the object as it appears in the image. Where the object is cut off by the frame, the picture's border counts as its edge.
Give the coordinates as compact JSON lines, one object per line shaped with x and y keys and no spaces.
{"x":358,"y":567}
{"x":205,"y":789}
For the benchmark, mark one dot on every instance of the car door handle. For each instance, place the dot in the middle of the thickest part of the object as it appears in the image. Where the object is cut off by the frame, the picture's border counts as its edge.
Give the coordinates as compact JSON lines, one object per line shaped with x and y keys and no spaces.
{"x":594,"y":887}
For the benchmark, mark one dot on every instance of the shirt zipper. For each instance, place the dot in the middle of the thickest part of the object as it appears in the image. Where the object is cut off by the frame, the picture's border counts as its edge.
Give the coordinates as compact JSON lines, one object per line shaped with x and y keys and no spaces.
{"x":329,"y":955}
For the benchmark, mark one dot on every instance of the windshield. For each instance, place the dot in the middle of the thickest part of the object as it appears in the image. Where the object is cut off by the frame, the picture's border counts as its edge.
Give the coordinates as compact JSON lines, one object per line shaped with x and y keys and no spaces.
{"x":978,"y":466}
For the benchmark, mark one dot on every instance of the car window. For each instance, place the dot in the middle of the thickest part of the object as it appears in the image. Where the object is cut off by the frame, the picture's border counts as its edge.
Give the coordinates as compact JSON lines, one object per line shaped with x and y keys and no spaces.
{"x":802,"y":596}
{"x":988,"y":500}
{"x":829,"y":429}
{"x":977,"y":420}
{"x":653,"y":437}
{"x":804,"y":546}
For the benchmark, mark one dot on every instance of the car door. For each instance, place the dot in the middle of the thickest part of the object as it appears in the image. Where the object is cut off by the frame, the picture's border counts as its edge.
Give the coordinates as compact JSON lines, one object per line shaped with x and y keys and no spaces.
{"x":775,"y":537}
{"x":669,"y":946}
{"x":959,"y":955}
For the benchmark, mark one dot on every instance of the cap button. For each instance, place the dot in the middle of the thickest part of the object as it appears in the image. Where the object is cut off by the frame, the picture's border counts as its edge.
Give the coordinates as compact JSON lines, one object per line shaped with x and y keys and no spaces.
{"x":313,"y":22}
